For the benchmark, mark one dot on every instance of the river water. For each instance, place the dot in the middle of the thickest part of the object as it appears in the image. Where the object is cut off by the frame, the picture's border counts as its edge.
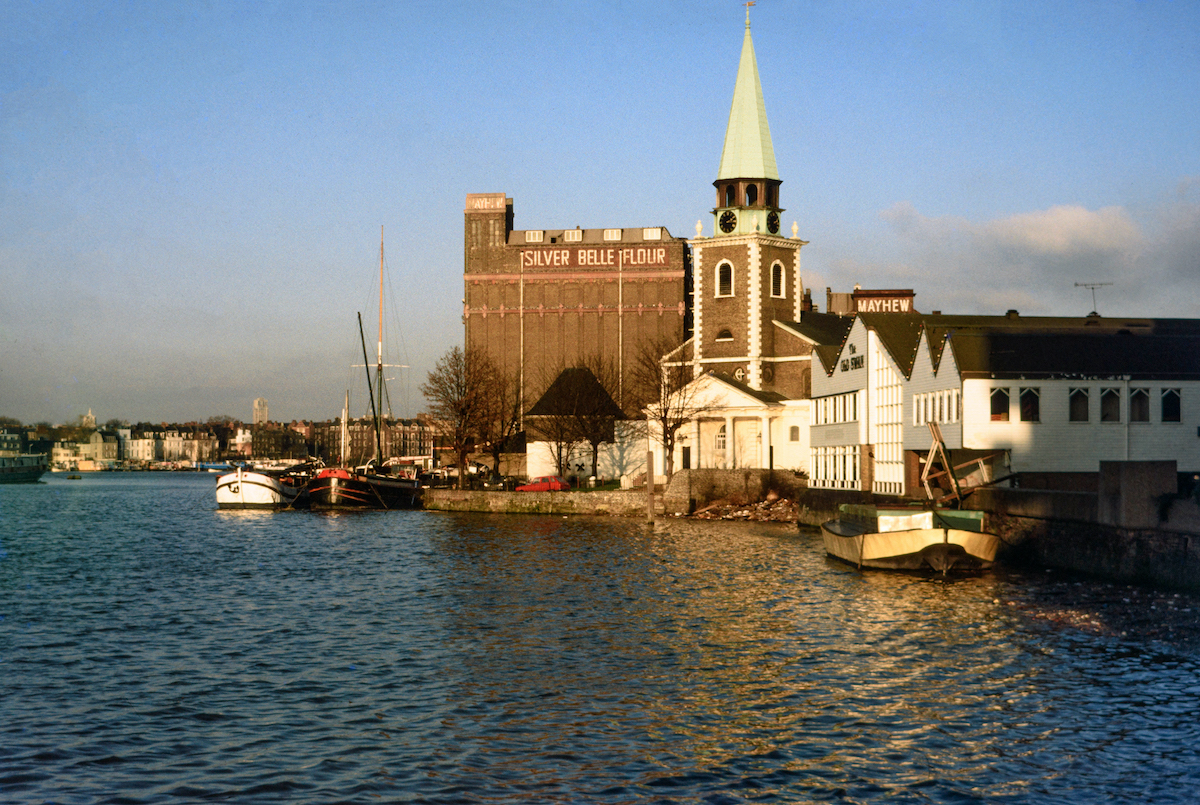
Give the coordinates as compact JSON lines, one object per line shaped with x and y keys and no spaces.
{"x":155,"y":649}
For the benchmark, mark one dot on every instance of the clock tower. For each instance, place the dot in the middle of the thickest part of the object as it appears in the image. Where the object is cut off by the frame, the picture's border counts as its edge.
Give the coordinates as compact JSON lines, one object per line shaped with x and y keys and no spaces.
{"x":747,"y":274}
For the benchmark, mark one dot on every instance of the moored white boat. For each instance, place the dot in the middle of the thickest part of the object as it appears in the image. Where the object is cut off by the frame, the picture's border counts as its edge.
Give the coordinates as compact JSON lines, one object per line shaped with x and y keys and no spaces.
{"x":942,"y":540}
{"x":250,"y":489}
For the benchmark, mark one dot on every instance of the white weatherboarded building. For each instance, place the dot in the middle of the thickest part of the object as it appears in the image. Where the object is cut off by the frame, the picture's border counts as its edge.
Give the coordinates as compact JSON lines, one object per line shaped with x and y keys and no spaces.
{"x":1054,"y":396}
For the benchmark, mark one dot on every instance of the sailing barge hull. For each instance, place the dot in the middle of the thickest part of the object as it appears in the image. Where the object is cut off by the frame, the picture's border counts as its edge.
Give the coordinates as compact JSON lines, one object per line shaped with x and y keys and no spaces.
{"x":339,"y":489}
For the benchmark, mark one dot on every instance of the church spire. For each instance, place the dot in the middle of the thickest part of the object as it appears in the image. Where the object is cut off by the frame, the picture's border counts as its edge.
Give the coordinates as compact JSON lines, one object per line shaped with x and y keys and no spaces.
{"x":747,"y":179}
{"x":748,"y":151}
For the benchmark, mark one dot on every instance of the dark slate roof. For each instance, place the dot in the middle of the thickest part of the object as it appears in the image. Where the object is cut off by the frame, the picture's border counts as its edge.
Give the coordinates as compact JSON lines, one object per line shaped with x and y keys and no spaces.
{"x":821,"y":328}
{"x":576,"y":392}
{"x":1022,"y":346}
{"x":826,"y":331}
{"x":1100,"y":354}
{"x":1089,"y":346}
{"x":900,"y":333}
{"x":768,"y":397}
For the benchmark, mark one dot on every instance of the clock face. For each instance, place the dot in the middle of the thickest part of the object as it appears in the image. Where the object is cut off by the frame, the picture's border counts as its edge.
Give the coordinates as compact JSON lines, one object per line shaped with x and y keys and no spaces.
{"x":728,"y":221}
{"x":773,"y":223}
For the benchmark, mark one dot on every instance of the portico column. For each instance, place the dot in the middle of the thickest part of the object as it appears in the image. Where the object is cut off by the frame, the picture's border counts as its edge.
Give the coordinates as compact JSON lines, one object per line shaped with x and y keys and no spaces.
{"x":730,"y":444}
{"x":764,"y":459}
{"x":697,"y":430}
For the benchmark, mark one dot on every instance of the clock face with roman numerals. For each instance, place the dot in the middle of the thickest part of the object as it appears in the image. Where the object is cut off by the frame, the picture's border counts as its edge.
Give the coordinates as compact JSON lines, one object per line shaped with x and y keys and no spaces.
{"x":773,"y":223}
{"x":728,"y":221}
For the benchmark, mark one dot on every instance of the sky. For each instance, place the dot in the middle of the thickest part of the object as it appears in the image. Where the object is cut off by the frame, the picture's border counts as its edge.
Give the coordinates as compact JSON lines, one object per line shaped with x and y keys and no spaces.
{"x":192,"y":194}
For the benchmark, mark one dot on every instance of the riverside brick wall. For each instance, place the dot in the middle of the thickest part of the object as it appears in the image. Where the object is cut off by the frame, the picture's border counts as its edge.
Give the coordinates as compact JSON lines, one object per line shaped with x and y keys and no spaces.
{"x":625,"y":503}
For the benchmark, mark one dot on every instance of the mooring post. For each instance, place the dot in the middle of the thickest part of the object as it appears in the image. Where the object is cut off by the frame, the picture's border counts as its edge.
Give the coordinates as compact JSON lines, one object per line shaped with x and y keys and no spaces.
{"x":649,"y":486}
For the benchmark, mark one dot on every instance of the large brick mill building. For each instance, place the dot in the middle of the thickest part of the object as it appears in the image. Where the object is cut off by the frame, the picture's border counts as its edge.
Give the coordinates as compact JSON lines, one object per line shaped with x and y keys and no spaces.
{"x":538,"y":301}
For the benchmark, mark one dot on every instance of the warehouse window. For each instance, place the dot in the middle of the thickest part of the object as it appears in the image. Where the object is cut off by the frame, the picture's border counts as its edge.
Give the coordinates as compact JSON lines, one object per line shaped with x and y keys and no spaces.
{"x":1170,"y":405}
{"x":1078,"y":405}
{"x":1031,"y":409}
{"x":1139,"y":405}
{"x":573,"y":236}
{"x":1110,"y":405}
{"x":612,"y":234}
{"x":999,"y":405}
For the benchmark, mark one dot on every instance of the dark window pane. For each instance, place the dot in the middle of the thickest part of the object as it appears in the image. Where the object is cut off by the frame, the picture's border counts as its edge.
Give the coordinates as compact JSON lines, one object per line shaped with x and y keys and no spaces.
{"x":999,"y":405}
{"x":1079,"y":405}
{"x":1031,"y":410}
{"x":1110,"y":405}
{"x":1170,"y":405}
{"x":1139,"y":405}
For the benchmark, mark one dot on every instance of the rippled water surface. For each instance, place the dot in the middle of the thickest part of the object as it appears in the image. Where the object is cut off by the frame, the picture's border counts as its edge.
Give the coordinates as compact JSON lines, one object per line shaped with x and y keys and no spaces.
{"x":154,"y":649}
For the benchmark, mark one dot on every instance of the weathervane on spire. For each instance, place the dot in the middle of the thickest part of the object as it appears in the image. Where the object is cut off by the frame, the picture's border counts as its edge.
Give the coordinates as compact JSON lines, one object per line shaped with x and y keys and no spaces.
{"x":747,"y":4}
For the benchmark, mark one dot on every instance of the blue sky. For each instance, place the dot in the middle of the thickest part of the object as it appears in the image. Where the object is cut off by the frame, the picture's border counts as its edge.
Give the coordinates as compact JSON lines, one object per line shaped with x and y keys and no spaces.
{"x":191,"y":195}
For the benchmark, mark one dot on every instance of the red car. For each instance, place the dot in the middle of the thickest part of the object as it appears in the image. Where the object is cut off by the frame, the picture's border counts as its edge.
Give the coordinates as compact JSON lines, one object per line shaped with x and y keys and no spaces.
{"x":547,"y":483}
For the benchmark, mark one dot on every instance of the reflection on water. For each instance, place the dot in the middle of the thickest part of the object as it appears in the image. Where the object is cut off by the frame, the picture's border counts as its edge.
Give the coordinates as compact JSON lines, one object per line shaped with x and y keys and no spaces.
{"x":158,"y":650}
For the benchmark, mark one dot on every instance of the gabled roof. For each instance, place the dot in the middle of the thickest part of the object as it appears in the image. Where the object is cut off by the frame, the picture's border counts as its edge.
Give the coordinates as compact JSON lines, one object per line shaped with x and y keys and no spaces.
{"x":827,"y":332}
{"x":900,"y":334}
{"x":748,"y":152}
{"x":576,"y":392}
{"x":767,"y":397}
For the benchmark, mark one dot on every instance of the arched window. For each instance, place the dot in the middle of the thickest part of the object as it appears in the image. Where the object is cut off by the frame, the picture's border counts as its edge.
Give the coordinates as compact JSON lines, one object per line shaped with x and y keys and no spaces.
{"x":725,"y":279}
{"x":730,"y":195}
{"x":751,"y":195}
{"x":724,"y":335}
{"x":777,"y":280}
{"x":719,"y":442}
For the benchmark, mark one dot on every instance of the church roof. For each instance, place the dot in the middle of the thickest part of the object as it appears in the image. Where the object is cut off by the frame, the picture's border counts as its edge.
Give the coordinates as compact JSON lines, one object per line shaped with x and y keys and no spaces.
{"x":748,"y":152}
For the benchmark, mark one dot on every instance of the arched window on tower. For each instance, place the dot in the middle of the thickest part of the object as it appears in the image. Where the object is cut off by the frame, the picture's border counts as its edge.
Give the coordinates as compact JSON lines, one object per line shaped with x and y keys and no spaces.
{"x":751,"y":195}
{"x":777,"y":288}
{"x":730,"y":195}
{"x":725,"y":279}
{"x":725,"y":335}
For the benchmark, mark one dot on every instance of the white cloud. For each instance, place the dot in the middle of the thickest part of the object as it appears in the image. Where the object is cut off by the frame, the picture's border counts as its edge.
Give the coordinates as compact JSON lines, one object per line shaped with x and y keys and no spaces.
{"x":1037,"y":261}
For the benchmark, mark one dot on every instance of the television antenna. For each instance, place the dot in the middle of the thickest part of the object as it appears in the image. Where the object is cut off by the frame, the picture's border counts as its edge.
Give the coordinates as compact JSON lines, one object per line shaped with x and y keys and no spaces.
{"x":1092,"y":286}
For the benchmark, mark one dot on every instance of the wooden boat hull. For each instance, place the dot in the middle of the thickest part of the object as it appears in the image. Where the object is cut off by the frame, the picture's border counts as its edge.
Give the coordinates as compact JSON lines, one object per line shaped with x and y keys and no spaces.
{"x":244,"y":489}
{"x":341,"y":489}
{"x":939,"y":549}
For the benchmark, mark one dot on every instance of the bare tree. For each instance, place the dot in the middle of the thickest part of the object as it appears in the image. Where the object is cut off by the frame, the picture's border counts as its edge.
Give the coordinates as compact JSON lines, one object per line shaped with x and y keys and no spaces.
{"x":456,"y":393}
{"x":502,"y":408}
{"x":662,"y":384}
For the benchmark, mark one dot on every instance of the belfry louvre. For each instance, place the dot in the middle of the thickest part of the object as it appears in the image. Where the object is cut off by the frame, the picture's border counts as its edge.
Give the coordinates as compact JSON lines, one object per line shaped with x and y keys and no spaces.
{"x":540,"y":301}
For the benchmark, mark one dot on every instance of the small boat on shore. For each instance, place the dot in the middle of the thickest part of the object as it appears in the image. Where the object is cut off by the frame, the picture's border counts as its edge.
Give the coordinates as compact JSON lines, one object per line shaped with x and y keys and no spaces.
{"x":263,"y":489}
{"x":23,"y":469}
{"x":941,"y":540}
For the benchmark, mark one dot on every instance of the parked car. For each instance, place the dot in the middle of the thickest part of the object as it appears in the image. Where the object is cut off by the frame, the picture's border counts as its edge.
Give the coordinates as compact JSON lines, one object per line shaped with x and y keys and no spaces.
{"x":546,"y":483}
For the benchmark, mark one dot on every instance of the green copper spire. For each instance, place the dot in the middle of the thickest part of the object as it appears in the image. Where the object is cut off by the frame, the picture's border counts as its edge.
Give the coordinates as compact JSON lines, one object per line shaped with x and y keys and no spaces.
{"x":748,"y":152}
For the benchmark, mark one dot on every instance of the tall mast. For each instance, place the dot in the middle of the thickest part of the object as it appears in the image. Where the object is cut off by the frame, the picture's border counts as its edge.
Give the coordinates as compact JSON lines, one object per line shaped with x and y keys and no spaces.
{"x":379,"y":351}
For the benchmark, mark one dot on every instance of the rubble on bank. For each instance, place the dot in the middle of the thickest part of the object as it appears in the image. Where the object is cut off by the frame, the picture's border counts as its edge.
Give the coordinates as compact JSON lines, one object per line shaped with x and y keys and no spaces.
{"x":773,"y":509}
